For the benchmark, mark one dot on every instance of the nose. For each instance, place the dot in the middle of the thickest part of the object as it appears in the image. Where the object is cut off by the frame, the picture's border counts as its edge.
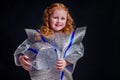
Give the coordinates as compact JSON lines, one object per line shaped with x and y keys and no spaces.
{"x":58,"y":20}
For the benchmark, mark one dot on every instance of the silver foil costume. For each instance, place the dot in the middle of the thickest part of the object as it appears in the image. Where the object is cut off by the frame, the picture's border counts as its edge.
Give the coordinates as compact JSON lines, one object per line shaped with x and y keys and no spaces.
{"x":43,"y":63}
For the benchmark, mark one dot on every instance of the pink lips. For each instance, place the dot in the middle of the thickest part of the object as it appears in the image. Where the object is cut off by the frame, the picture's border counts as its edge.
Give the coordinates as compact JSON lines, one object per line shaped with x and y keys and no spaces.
{"x":57,"y":25}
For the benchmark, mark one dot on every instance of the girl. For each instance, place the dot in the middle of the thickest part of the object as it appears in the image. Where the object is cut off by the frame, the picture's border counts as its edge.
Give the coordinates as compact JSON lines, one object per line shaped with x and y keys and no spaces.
{"x":57,"y":37}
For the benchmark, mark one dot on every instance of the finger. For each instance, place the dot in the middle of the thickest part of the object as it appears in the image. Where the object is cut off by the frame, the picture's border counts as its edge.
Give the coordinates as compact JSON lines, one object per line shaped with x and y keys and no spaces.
{"x":59,"y":65}
{"x":25,"y":67}
{"x":25,"y":57}
{"x":60,"y":61}
{"x":24,"y":60}
{"x":59,"y":68}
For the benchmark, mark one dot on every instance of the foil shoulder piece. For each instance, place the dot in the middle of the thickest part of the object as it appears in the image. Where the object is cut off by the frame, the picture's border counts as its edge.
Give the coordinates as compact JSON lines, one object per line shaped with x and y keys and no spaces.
{"x":79,"y":34}
{"x":31,"y":33}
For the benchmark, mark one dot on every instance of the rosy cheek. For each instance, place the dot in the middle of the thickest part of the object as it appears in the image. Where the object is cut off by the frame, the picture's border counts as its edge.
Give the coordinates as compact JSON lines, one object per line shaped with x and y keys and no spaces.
{"x":51,"y":21}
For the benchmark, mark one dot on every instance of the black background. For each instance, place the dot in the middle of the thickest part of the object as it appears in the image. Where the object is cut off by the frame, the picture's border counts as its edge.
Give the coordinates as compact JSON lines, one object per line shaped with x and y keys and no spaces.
{"x":101,"y":42}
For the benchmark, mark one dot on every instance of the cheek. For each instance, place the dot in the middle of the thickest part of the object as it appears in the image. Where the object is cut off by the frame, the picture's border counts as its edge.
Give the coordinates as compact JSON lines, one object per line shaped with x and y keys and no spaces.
{"x":65,"y":22}
{"x":51,"y":22}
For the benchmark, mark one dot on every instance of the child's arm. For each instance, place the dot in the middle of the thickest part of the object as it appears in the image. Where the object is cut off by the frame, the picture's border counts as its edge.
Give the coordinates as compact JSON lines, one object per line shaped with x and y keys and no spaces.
{"x":31,"y":38}
{"x":24,"y":61}
{"x":21,"y":51}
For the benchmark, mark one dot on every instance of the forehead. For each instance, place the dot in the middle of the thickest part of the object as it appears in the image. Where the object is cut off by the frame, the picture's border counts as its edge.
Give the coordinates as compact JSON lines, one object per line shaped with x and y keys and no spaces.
{"x":59,"y":12}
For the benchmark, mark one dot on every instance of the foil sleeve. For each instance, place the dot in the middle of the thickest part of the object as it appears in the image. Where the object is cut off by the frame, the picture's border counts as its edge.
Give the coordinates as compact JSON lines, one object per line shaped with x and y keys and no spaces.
{"x":76,"y":51}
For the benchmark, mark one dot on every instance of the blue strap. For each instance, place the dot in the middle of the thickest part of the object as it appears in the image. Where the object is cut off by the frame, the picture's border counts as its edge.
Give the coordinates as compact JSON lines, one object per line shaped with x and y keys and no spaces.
{"x":62,"y":75}
{"x":41,"y":36}
{"x":71,"y":40}
{"x":44,"y":40}
{"x":33,"y":50}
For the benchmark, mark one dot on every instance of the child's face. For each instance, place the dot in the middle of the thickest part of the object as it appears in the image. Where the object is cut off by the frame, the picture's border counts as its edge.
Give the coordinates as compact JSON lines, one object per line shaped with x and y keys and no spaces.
{"x":58,"y":19}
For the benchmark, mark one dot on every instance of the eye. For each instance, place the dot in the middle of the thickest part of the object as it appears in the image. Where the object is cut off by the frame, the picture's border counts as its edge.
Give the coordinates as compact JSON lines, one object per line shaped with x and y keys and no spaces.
{"x":55,"y":17}
{"x":63,"y":18}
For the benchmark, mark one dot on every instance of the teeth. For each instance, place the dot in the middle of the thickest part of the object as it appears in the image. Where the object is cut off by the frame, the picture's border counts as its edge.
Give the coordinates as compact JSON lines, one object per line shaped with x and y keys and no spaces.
{"x":58,"y":25}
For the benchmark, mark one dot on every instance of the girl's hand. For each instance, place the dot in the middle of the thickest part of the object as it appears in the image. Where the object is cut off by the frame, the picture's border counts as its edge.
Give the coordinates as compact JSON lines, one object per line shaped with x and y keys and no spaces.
{"x":61,"y":64}
{"x":24,"y":61}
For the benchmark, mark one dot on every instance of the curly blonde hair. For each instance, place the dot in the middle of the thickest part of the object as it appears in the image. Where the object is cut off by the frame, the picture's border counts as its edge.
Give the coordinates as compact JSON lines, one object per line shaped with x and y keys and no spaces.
{"x":45,"y":28}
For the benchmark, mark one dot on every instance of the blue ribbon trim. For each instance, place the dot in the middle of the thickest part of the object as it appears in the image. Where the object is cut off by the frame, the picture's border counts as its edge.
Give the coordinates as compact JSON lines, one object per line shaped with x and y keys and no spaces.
{"x":41,"y":36}
{"x":71,"y":40}
{"x":62,"y":74}
{"x":33,"y":50}
{"x":44,"y":40}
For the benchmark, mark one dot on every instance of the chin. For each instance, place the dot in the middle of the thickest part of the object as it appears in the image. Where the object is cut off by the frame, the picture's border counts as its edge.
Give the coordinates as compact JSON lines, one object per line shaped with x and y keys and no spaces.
{"x":58,"y":30}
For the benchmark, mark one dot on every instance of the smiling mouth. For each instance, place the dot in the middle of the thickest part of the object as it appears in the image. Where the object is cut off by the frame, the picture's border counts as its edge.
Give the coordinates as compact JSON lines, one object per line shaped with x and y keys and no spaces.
{"x":57,"y":25}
